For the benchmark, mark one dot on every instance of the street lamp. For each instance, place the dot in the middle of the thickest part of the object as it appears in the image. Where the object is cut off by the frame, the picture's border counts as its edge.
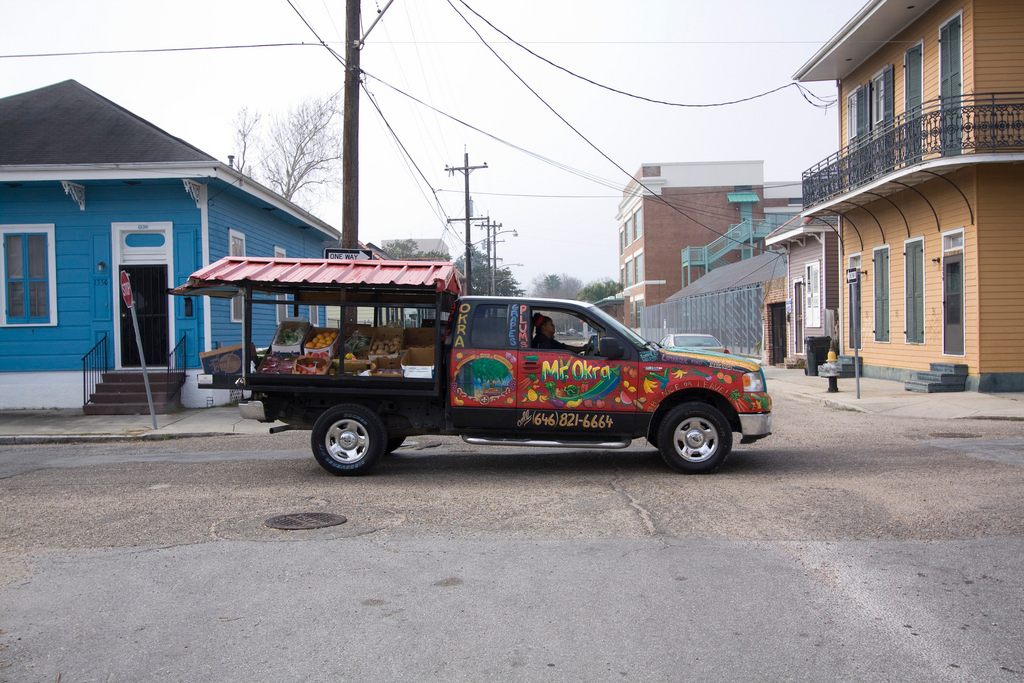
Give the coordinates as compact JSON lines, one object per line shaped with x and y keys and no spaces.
{"x":504,"y":276}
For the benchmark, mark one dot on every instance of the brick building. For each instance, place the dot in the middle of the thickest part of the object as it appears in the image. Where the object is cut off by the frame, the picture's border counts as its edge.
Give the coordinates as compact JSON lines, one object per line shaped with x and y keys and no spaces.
{"x":673,"y":216}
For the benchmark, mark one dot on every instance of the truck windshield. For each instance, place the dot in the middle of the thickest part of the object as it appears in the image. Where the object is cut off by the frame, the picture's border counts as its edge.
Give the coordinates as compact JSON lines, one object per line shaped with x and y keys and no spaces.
{"x":634,"y":338}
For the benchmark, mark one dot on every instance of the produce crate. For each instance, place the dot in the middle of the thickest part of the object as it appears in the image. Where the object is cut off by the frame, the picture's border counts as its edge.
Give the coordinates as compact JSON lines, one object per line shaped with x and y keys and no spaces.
{"x":393,"y":362}
{"x":386,"y":341}
{"x":358,"y":340}
{"x":418,"y":362}
{"x":289,"y":336}
{"x":355,"y":366}
{"x":222,"y":361}
{"x":313,"y":345}
{"x":312,"y":365}
{"x":278,"y":364}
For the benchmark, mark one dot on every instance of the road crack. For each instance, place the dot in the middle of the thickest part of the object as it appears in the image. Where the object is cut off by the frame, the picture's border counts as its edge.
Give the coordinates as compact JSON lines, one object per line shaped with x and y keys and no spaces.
{"x":645,"y":516}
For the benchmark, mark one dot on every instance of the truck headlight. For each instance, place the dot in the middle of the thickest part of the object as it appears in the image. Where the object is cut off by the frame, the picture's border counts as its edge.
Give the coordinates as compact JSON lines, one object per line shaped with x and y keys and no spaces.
{"x":753,"y":381}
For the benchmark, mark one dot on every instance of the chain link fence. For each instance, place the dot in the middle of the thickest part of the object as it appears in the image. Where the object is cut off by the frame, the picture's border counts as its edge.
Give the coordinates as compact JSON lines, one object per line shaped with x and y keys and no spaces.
{"x":734,"y":316}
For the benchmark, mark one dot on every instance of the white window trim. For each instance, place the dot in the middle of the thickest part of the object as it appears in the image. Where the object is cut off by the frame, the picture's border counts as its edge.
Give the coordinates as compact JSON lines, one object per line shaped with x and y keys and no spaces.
{"x":877,"y":83}
{"x":874,"y":302}
{"x":963,"y":274}
{"x":798,"y":348}
{"x":232,"y":234}
{"x":924,"y":293}
{"x":807,"y":295}
{"x":49,"y":230}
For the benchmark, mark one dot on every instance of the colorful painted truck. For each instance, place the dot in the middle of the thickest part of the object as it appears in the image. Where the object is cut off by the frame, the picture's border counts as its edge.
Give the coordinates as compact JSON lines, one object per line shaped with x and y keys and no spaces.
{"x":463,"y":365}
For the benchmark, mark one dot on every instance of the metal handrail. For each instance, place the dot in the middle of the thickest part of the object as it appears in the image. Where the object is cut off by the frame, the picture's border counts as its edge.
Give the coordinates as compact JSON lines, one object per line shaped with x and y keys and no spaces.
{"x":970,"y":124}
{"x":94,"y":364}
{"x":176,"y":360}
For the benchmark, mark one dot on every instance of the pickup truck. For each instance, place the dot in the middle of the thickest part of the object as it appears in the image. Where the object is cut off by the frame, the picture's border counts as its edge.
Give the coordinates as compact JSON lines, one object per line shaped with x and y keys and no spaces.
{"x":462,"y":365}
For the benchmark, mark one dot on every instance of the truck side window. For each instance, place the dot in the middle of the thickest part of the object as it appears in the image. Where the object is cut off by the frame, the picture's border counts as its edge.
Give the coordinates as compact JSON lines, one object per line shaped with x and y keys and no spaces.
{"x":489,"y":327}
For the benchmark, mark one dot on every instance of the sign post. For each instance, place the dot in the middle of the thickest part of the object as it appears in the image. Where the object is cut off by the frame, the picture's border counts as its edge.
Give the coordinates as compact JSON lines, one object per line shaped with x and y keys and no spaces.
{"x":853,"y":278}
{"x":129,"y":301}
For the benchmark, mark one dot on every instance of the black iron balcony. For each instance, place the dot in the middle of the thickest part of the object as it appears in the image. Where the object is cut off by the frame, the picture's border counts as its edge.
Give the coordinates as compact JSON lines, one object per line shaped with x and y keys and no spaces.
{"x":972,"y":124}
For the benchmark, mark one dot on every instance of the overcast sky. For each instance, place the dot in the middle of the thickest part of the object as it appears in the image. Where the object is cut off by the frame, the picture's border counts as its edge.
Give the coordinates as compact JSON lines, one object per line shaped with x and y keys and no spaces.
{"x":685,"y":51}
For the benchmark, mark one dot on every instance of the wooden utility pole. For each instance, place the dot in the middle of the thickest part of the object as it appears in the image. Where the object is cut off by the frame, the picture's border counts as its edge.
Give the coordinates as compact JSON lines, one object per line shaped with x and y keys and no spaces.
{"x":350,"y":133}
{"x":466,"y":169}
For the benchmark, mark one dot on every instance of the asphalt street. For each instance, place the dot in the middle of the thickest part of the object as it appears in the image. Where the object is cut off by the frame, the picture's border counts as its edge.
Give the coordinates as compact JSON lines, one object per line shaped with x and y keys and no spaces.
{"x":847,"y":546}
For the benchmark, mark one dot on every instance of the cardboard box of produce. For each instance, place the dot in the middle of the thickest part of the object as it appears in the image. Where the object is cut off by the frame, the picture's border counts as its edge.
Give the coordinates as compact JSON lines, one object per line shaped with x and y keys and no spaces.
{"x":385,"y":341}
{"x":418,"y":362}
{"x":357,"y":339}
{"x":289,"y":336}
{"x":278,"y":364}
{"x":354,"y":366}
{"x":311,"y":365}
{"x":393,"y":362}
{"x":321,"y":342}
{"x":222,"y":361}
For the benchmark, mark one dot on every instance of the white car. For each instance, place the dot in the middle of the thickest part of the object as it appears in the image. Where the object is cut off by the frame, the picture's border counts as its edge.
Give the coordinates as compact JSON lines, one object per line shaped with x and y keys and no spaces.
{"x":697,"y":342}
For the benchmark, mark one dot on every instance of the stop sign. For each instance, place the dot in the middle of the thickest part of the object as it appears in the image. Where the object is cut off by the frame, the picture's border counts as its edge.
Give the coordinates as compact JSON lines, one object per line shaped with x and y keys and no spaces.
{"x":126,"y":289}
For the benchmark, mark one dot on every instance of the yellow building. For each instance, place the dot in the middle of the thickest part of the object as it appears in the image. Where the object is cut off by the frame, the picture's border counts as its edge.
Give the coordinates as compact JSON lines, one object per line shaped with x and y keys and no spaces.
{"x":926,"y":183}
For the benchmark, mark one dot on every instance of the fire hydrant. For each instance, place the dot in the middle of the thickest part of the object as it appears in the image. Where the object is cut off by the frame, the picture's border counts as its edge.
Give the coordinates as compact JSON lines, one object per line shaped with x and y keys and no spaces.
{"x":830,"y":369}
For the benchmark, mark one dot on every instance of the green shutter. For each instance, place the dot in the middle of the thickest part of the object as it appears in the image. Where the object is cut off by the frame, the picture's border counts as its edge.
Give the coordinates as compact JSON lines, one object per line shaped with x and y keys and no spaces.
{"x":915,"y":292}
{"x":863,"y":110}
{"x":912,"y":79}
{"x":882,"y":295}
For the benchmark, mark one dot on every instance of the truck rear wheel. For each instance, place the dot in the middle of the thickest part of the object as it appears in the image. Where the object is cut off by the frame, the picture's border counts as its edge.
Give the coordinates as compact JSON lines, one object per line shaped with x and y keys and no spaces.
{"x":348,"y":439}
{"x":694,"y":438}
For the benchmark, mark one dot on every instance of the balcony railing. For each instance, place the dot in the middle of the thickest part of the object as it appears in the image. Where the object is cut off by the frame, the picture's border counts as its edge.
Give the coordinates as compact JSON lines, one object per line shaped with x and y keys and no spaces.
{"x":973,"y":124}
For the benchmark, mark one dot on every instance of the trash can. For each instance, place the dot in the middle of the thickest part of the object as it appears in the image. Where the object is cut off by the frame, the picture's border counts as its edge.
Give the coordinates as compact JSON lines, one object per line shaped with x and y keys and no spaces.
{"x":816,"y":350}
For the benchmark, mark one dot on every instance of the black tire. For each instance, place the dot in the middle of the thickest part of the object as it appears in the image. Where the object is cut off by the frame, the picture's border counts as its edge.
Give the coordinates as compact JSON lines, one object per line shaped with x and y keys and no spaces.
{"x":394,"y":443}
{"x":694,"y":438}
{"x":348,"y":439}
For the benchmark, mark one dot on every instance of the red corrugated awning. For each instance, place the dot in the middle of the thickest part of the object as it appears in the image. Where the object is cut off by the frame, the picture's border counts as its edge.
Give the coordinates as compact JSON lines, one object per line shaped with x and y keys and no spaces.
{"x":231,"y":272}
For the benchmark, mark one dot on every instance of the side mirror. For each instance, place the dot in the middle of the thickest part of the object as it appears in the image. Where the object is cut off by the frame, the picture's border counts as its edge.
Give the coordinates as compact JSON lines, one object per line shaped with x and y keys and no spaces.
{"x":611,"y":348}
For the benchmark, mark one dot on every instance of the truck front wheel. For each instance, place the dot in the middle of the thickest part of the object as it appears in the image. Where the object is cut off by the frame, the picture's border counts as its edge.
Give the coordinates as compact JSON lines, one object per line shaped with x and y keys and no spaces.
{"x":348,"y":439}
{"x":694,"y":438}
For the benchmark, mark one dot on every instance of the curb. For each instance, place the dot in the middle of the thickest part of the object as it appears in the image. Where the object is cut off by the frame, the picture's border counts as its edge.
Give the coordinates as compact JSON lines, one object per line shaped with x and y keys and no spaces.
{"x":23,"y":439}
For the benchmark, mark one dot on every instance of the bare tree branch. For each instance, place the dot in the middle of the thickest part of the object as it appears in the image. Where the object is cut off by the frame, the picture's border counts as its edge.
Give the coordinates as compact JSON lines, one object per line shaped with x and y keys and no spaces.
{"x":300,"y":151}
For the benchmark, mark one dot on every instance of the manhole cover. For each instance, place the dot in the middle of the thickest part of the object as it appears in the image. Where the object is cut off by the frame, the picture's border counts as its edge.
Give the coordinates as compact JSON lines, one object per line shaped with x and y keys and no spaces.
{"x":955,"y":435}
{"x":305,"y":520}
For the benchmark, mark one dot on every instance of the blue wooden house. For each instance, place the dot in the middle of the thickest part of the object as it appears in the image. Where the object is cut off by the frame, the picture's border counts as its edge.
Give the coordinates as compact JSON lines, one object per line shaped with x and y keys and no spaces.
{"x":88,"y":189}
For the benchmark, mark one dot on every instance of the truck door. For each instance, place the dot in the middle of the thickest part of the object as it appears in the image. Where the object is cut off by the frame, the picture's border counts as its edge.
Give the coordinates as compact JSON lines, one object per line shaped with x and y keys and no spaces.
{"x":482,"y":367}
{"x":573,"y":395}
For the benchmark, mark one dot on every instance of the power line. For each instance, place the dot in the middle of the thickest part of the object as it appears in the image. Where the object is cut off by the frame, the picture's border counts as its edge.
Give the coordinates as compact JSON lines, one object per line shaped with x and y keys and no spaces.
{"x":584,"y":137}
{"x":623,"y":92}
{"x":83,"y":53}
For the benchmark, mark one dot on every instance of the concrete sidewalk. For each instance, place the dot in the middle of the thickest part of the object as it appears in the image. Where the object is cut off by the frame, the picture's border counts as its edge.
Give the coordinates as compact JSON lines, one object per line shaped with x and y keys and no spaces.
{"x":46,"y":426}
{"x":877,"y":397}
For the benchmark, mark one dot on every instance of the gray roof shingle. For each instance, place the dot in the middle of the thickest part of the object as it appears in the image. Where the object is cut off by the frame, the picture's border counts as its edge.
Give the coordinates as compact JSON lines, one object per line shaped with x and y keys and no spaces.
{"x":761,"y":268}
{"x":67,"y":123}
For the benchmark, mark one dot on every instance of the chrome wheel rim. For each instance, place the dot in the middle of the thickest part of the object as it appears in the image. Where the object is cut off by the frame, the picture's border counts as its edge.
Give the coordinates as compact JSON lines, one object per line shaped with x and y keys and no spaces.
{"x":347,"y":441}
{"x":695,"y":439}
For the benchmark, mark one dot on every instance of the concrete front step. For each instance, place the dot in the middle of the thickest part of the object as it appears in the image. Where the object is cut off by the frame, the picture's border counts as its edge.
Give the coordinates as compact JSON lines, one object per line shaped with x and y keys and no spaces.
{"x":161,"y":408}
{"x":132,"y":396}
{"x":118,"y":378}
{"x":931,"y":387}
{"x":949,"y":368}
{"x":944,"y":377}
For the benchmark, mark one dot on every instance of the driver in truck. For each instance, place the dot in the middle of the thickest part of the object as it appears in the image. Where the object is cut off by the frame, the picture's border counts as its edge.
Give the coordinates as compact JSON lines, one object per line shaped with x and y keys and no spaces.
{"x":544,"y":335}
